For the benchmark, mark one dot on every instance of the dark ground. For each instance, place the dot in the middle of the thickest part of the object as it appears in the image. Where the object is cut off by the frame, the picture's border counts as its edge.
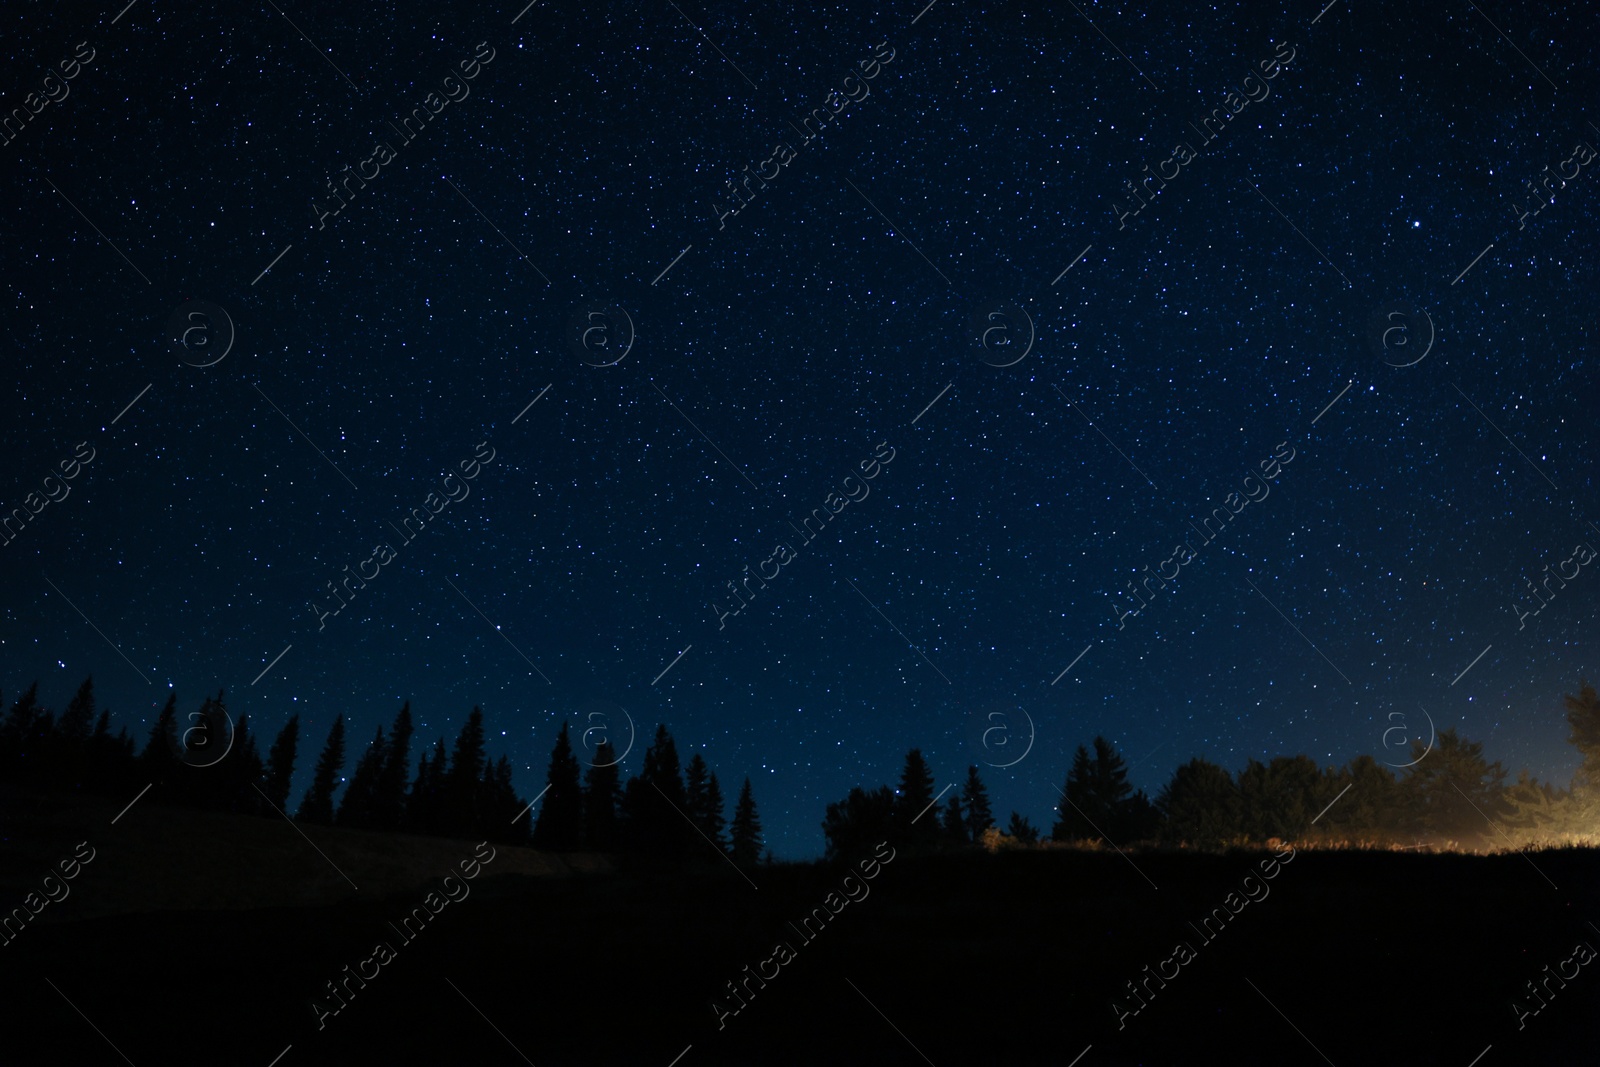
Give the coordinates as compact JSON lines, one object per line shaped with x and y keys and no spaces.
{"x":1015,"y":958}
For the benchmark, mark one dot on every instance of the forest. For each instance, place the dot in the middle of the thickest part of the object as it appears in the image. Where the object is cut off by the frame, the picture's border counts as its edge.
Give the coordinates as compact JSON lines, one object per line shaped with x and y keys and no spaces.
{"x":1449,"y":798}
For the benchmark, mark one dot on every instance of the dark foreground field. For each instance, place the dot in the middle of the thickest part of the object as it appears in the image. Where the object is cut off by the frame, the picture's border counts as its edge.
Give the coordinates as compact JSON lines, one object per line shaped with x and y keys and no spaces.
{"x":1015,"y":958}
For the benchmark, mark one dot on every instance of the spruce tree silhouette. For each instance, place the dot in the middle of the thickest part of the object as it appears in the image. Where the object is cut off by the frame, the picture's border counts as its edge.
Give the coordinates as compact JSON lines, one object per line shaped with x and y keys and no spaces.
{"x":1021,"y":829}
{"x":560,"y":824}
{"x":425,"y":801}
{"x":280,"y":765}
{"x":159,"y":760}
{"x":317,"y":805}
{"x":389,"y":802}
{"x":357,"y":808}
{"x":745,"y":834}
{"x":241,"y":770}
{"x":462,"y":785}
{"x":703,"y":801}
{"x":601,"y":795}
{"x":915,"y":798}
{"x":504,"y":806}
{"x":975,"y":799}
{"x":653,"y":816}
{"x":78,"y":718}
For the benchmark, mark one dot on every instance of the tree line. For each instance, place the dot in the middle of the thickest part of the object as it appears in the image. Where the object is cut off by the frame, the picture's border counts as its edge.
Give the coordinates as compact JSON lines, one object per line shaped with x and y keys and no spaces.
{"x":666,"y":811}
{"x":1448,"y":796}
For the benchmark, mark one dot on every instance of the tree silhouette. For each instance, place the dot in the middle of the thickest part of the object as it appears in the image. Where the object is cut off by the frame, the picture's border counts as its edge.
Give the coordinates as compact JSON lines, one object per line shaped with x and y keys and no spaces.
{"x":746,"y":832}
{"x":78,"y":718}
{"x":1021,"y":829}
{"x":357,"y":808}
{"x":242,"y":770}
{"x":1452,"y":793}
{"x":653,"y":804}
{"x":389,"y":800}
{"x":317,"y":805}
{"x":504,"y":807}
{"x":953,"y":826}
{"x":975,"y":799}
{"x":602,"y":792}
{"x":916,"y":795}
{"x":560,"y":824}
{"x":425,"y":801}
{"x":1098,"y":799}
{"x":280,"y":764}
{"x":1280,"y":798}
{"x":858,"y":822}
{"x":1200,"y":805}
{"x":703,"y":801}
{"x":1369,"y":810}
{"x":159,"y":760}
{"x":462,"y":785}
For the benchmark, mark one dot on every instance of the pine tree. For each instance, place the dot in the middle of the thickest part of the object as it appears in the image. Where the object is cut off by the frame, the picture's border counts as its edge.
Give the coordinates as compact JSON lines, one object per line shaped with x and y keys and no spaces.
{"x":389,"y":803}
{"x":560,"y":824}
{"x":159,"y":760}
{"x":242,"y":769}
{"x":703,"y":801}
{"x":746,"y":832}
{"x":280,"y":765}
{"x":505,"y":807}
{"x":1021,"y":829}
{"x":357,"y":807}
{"x":77,"y":719}
{"x":854,"y":825}
{"x":424,"y":804}
{"x":601,"y":794}
{"x":1200,"y":805}
{"x":1099,"y":801}
{"x":317,"y":805}
{"x":653,"y":804}
{"x":461,"y":786}
{"x":914,"y":800}
{"x":975,"y":799}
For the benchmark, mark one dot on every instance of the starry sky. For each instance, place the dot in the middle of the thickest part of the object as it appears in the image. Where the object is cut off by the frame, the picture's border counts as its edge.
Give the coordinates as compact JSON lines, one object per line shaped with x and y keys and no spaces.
{"x":1349,"y":267}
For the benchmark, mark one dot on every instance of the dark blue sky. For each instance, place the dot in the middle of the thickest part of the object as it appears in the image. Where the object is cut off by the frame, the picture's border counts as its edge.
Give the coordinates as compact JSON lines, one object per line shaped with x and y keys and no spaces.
{"x":837,"y":315}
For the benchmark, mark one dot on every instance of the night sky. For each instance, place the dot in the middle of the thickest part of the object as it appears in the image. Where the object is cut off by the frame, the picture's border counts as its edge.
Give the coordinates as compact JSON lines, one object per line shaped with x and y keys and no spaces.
{"x":946,"y":281}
